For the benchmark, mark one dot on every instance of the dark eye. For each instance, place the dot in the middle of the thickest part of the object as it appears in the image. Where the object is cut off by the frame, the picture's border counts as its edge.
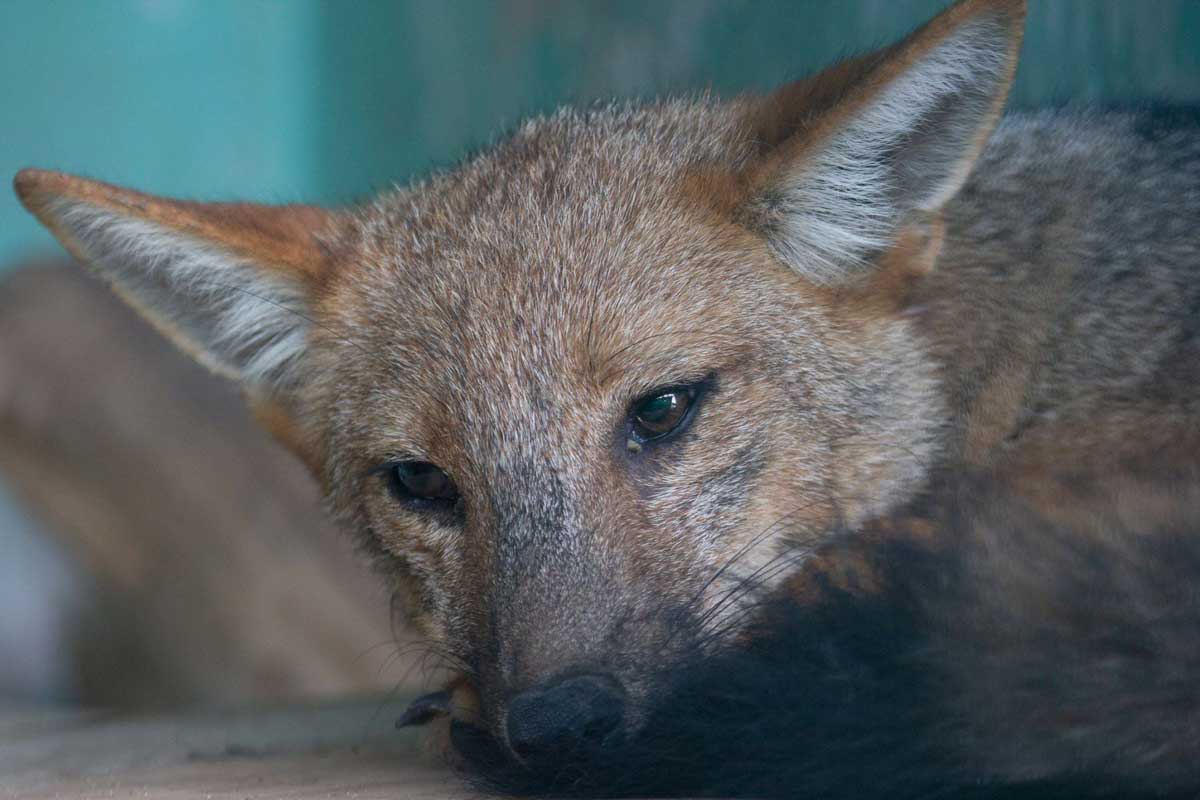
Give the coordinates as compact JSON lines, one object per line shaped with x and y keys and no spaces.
{"x":662,"y":413}
{"x":421,"y":481}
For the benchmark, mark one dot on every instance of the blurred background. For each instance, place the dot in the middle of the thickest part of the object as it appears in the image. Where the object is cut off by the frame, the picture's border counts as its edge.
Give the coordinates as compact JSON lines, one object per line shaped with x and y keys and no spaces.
{"x":155,"y":549}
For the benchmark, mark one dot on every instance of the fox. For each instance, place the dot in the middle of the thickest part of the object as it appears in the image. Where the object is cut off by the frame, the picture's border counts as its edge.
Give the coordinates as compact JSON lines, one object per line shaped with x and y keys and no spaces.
{"x":836,"y":441}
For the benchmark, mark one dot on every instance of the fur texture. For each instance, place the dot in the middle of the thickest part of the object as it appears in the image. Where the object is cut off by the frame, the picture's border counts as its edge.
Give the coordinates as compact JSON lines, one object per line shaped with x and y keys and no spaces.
{"x":877,"y":291}
{"x":977,"y":643}
{"x":252,"y":326}
{"x":905,"y":152}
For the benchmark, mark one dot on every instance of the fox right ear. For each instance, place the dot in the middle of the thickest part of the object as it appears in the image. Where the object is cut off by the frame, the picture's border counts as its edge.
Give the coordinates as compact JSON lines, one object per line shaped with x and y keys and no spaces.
{"x":230,"y":283}
{"x":855,"y":154}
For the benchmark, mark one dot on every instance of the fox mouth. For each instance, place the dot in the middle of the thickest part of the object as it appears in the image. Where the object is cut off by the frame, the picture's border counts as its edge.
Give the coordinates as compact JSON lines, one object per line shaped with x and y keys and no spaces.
{"x":581,"y":746}
{"x":569,"y":721}
{"x":660,"y":755}
{"x":554,"y":764}
{"x":825,"y":690}
{"x":588,"y":732}
{"x":578,"y":767}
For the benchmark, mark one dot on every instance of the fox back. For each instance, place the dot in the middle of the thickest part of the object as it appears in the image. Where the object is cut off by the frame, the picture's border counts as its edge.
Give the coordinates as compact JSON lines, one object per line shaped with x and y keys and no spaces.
{"x":609,"y":399}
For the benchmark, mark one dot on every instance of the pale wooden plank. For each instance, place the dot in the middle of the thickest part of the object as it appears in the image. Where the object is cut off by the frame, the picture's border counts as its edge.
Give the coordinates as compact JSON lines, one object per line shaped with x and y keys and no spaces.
{"x":347,"y":750}
{"x":340,"y":775}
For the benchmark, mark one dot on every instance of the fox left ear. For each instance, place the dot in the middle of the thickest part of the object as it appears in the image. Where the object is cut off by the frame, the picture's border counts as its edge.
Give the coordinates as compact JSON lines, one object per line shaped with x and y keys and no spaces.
{"x":230,"y":283}
{"x":856,"y":154}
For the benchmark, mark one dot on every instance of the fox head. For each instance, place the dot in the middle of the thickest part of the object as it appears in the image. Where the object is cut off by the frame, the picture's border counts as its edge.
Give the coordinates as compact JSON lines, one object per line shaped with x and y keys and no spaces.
{"x":580,"y":392}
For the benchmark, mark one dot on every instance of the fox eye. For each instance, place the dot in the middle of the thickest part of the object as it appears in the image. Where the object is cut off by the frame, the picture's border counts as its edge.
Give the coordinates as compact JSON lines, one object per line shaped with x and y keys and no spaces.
{"x":421,"y":481}
{"x":662,"y":413}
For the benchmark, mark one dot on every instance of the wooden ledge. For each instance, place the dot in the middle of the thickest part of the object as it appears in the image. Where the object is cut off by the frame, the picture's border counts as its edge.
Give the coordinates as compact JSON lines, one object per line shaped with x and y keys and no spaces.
{"x":350,"y":750}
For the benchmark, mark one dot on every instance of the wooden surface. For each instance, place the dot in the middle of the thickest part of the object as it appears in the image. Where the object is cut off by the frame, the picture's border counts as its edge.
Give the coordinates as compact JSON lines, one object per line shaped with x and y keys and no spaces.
{"x":346,"y":751}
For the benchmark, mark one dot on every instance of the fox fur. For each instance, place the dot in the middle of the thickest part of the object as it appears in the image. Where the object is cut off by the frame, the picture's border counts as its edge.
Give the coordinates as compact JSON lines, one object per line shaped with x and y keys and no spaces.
{"x":969,"y":645}
{"x":929,"y":527}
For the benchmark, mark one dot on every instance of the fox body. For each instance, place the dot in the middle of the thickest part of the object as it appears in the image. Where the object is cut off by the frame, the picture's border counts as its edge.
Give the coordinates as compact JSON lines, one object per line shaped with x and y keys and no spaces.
{"x":649,"y":397}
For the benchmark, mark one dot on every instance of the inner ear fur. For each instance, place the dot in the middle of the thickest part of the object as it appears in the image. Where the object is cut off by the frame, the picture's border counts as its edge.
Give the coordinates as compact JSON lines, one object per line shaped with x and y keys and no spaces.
{"x":230,"y":283}
{"x":853,"y":156}
{"x":289,"y":239}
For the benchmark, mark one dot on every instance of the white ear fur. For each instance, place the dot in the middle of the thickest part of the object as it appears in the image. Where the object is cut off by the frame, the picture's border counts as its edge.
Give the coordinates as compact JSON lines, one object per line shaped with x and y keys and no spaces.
{"x":243,"y":321}
{"x":908,"y":149}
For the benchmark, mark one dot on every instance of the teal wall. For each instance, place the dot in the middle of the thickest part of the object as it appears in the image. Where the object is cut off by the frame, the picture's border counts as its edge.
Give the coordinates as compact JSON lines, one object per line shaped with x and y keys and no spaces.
{"x":330,"y":100}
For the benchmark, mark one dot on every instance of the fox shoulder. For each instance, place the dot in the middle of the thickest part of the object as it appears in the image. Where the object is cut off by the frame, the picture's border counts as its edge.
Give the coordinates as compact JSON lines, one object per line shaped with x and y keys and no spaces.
{"x":1039,"y":636}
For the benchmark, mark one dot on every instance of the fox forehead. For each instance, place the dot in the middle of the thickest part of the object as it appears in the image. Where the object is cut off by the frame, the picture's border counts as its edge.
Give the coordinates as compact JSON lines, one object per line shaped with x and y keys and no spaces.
{"x":558,"y":180}
{"x":555,"y":206}
{"x":577,"y":256}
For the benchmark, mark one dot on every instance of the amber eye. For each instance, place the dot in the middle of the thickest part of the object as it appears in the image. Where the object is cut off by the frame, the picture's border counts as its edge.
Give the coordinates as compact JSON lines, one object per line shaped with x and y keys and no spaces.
{"x":662,"y":413}
{"x":421,"y":481}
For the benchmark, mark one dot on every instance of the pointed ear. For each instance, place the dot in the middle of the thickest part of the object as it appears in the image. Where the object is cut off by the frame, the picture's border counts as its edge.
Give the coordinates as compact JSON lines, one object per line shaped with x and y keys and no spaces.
{"x":230,"y":283}
{"x":856,"y":154}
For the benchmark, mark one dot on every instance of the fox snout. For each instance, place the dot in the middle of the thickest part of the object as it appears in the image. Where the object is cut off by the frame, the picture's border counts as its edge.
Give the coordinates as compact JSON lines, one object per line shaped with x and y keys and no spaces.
{"x":577,"y":721}
{"x":568,"y":710}
{"x":546,"y":709}
{"x":567,"y":718}
{"x":561,"y":676}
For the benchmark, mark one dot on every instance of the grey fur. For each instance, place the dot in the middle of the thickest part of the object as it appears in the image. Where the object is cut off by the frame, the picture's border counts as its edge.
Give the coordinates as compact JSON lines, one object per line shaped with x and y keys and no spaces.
{"x":1074,"y":252}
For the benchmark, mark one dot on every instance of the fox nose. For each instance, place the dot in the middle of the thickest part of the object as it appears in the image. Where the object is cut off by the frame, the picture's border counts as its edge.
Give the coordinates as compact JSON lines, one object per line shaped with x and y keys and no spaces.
{"x":565,"y":719}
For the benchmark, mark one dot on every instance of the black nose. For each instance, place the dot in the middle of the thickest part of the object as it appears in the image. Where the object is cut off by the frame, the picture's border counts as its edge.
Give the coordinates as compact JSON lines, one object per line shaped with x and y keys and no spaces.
{"x":566,"y":719}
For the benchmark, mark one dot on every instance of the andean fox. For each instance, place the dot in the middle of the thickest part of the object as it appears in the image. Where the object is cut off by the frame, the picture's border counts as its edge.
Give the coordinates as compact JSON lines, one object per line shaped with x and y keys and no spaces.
{"x":833,"y":442}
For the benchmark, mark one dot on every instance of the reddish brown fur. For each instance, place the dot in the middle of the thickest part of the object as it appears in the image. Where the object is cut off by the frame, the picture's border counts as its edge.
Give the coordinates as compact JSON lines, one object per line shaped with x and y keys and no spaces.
{"x":499,"y":321}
